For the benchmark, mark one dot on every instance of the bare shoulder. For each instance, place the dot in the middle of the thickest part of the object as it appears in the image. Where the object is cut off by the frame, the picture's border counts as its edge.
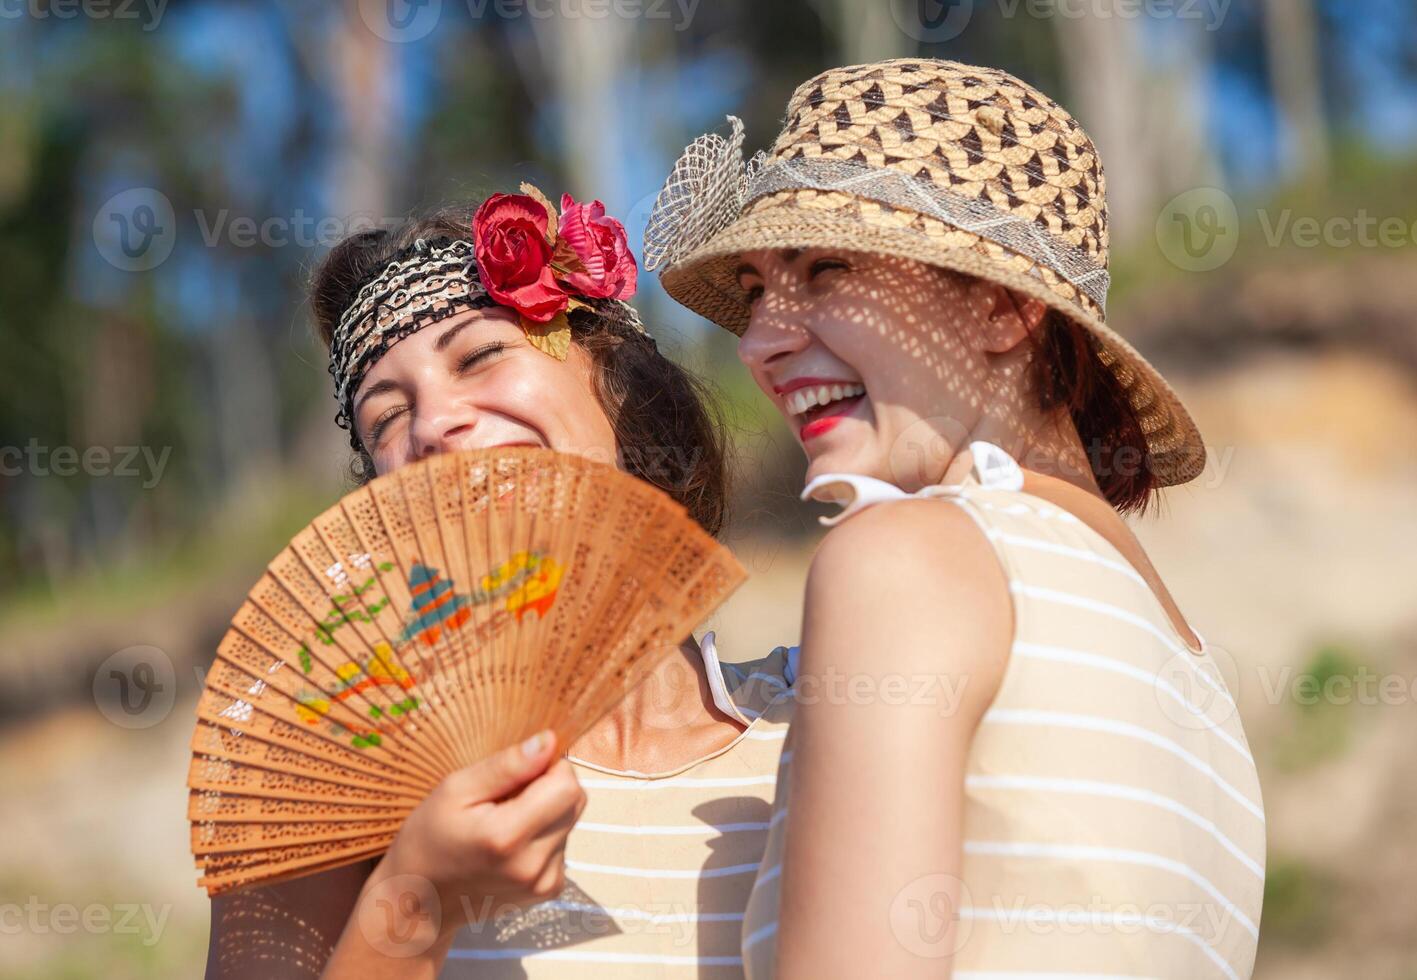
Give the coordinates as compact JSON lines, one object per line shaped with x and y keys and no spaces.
{"x":912,"y":585}
{"x":933,"y":545}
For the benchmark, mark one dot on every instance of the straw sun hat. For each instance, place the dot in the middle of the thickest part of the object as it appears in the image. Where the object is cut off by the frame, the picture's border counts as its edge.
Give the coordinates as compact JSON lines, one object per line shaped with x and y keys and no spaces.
{"x":961,"y":167}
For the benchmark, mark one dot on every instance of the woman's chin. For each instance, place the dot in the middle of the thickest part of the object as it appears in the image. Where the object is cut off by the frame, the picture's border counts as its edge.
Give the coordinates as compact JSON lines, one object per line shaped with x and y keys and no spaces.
{"x":845,"y":458}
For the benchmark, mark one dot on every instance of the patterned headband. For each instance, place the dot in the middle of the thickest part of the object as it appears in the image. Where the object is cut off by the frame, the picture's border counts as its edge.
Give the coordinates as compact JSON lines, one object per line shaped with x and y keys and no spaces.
{"x":522,"y":255}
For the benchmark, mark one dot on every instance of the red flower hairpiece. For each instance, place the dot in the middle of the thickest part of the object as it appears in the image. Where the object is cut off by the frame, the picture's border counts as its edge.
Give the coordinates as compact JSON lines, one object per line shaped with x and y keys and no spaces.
{"x":543,"y":265}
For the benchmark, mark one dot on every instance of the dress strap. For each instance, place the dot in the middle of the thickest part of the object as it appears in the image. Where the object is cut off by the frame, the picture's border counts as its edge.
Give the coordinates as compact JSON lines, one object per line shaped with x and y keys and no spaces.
{"x":708,"y":649}
{"x":852,"y":491}
{"x":993,"y":469}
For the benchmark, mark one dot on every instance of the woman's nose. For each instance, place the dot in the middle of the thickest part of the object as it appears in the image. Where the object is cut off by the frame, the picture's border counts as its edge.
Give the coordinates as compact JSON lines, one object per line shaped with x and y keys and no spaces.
{"x":774,"y":331}
{"x":441,"y":424}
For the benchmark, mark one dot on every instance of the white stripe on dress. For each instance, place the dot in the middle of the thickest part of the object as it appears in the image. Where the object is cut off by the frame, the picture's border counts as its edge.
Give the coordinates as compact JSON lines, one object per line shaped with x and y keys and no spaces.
{"x":1111,"y":920}
{"x":678,"y":782}
{"x":624,"y":872}
{"x":758,"y":935}
{"x":641,"y":915}
{"x":590,"y":956}
{"x":1081,"y":554}
{"x":1125,"y":615}
{"x":658,"y":830}
{"x":1088,"y":787}
{"x":1039,"y":651}
{"x":1021,"y":716}
{"x":1085,"y":852}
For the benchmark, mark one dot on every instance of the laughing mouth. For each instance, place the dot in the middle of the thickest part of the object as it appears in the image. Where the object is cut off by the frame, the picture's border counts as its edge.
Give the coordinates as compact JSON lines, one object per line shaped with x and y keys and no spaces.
{"x":818,"y":407}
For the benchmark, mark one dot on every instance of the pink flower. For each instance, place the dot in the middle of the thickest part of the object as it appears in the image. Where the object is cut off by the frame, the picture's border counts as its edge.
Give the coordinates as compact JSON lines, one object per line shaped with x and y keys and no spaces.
{"x":510,"y":240}
{"x":593,"y":252}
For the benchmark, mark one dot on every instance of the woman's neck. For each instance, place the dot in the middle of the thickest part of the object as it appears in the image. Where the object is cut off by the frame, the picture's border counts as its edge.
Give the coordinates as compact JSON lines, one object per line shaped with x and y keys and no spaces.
{"x":665,"y":721}
{"x":1043,"y":443}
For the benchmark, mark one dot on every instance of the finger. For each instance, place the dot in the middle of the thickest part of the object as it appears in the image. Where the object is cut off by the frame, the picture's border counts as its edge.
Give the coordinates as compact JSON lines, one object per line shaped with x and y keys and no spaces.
{"x":544,"y":801}
{"x":553,"y":877}
{"x":505,"y":772}
{"x":557,"y":830}
{"x":535,"y":862}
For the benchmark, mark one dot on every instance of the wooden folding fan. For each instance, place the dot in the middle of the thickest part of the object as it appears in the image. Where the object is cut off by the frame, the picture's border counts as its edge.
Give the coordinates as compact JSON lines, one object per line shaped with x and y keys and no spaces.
{"x":430,"y":618}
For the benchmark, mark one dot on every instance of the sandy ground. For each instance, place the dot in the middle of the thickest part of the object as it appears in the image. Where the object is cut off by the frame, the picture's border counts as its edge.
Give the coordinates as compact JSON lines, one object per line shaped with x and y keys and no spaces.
{"x":1300,"y":533}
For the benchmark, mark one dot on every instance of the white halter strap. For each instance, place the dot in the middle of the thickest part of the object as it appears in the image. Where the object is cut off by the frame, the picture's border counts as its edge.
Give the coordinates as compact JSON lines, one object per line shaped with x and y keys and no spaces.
{"x":993,"y":469}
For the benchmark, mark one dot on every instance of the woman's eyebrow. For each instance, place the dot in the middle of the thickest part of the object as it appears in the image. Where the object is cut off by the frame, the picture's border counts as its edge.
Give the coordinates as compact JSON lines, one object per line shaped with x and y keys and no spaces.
{"x":447,"y":338}
{"x":378,"y":388}
{"x":746,"y":269}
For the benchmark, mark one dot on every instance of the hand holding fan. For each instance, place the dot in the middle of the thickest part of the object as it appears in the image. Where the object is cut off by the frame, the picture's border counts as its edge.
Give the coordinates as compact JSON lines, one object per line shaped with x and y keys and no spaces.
{"x":438,"y":614}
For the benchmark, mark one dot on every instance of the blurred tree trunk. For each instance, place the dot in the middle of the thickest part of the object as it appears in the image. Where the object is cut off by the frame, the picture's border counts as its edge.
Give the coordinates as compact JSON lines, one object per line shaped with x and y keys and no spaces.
{"x":356,"y":67}
{"x":362,"y":87}
{"x":246,"y":399}
{"x":586,"y":57}
{"x":1296,"y":78}
{"x":1102,"y":61}
{"x":1140,"y":97}
{"x":864,"y":30}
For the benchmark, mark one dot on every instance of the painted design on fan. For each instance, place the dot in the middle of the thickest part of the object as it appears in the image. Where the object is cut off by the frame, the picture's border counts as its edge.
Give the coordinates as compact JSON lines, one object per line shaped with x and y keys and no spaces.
{"x":538,"y":578}
{"x":381,"y":669}
{"x":528,"y":580}
{"x":341,"y":611}
{"x":435,"y":606}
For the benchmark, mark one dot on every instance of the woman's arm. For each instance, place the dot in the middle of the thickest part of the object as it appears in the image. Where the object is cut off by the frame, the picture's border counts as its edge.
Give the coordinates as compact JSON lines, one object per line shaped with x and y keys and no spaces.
{"x":496,"y":829}
{"x":905,"y":638}
{"x":284,"y":931}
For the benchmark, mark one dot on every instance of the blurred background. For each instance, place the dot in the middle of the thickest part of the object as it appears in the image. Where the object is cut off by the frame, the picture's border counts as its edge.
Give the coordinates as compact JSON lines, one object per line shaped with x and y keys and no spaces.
{"x":171,"y":171}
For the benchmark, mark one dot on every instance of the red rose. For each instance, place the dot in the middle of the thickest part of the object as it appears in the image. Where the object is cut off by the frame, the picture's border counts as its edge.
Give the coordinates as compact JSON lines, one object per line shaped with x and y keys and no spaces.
{"x":509,"y":237}
{"x":594,"y":251}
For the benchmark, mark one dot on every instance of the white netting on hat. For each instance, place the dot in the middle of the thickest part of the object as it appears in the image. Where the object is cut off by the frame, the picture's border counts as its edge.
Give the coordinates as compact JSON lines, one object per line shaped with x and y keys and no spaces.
{"x":702,"y":194}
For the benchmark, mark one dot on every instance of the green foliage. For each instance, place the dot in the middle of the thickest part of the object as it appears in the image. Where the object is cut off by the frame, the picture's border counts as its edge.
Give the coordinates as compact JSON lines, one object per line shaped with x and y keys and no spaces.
{"x":1298,"y":904}
{"x":1320,"y":725}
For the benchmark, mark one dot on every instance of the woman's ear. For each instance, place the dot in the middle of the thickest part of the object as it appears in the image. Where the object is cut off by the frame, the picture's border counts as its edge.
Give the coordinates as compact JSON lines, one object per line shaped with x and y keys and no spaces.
{"x":1008,"y":318}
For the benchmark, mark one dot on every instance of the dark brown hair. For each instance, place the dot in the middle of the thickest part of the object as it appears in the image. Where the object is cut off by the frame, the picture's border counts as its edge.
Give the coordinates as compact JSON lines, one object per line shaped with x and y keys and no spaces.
{"x":666,"y":432}
{"x":1068,"y":374}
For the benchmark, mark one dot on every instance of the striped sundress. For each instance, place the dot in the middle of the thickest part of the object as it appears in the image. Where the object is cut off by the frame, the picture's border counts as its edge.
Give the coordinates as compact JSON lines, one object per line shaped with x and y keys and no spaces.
{"x":1113,"y":822}
{"x":659,"y":866}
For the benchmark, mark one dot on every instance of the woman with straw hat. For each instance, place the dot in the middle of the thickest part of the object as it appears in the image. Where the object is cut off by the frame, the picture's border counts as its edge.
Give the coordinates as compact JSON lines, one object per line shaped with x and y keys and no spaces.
{"x":1011,"y":755}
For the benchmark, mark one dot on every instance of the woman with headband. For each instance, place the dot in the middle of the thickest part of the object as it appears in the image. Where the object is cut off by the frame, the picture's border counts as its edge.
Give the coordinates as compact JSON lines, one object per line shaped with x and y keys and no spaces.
{"x":508,"y":325}
{"x":1010,"y":755}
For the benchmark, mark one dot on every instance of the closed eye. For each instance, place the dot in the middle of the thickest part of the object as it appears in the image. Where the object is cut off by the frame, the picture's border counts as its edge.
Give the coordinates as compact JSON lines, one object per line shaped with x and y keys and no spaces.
{"x":382,"y":423}
{"x":479,"y":354}
{"x":823,"y":265}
